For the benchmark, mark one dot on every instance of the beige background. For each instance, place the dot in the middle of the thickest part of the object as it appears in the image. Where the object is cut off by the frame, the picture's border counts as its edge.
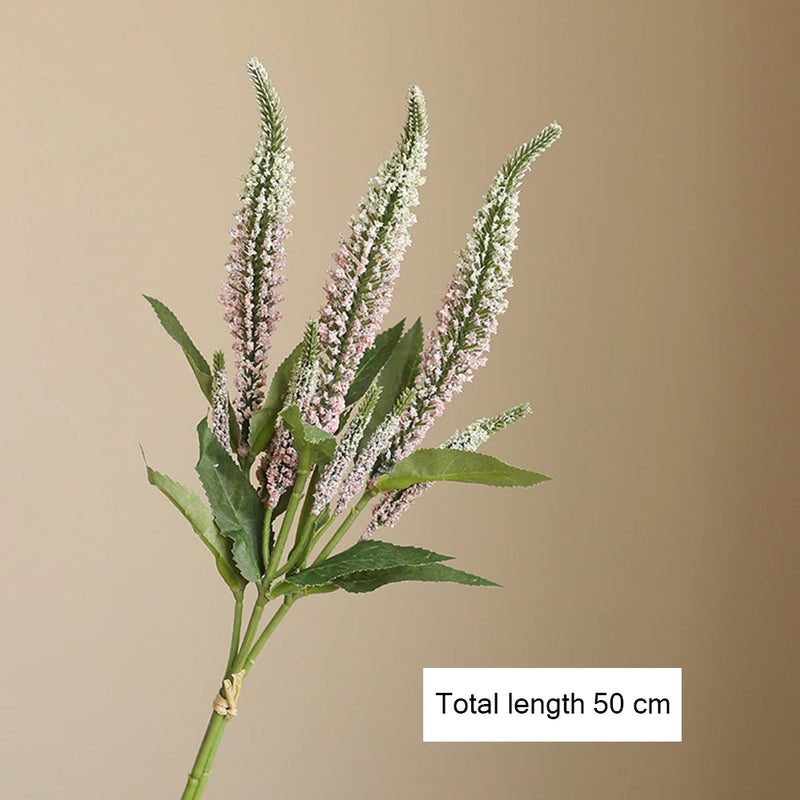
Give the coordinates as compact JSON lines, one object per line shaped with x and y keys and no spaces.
{"x":653,"y":326}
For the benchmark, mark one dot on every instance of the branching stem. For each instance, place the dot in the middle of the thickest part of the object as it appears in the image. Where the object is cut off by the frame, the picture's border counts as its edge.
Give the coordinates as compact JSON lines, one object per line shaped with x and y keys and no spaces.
{"x":345,"y":526}
{"x":236,"y":631}
{"x":288,"y":517}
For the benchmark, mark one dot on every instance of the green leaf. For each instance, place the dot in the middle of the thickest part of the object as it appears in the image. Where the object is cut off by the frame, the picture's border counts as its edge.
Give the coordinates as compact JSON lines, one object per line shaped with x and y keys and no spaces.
{"x":201,"y":519}
{"x":396,"y":376}
{"x":174,"y":328}
{"x":283,"y":503}
{"x":238,"y":510}
{"x":368,"y":581}
{"x":455,"y":465}
{"x":370,"y":556}
{"x":321,"y":443}
{"x":262,"y":423}
{"x":372,"y":362}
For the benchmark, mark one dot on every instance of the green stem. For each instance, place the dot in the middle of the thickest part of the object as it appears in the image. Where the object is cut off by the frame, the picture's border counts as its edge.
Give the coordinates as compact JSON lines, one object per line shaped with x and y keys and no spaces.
{"x":248,"y":662}
{"x":265,"y":537}
{"x":246,"y":657}
{"x":202,"y":765}
{"x":308,"y":503}
{"x":199,"y":774}
{"x":300,"y":550}
{"x":236,"y":632}
{"x":345,"y":526}
{"x":288,"y":517}
{"x":319,"y":531}
{"x":250,"y":633}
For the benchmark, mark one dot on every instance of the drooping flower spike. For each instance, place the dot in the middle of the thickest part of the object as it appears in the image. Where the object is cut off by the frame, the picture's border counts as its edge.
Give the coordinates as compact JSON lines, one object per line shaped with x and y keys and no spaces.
{"x":476,"y":297}
{"x":366,"y":266}
{"x":388,"y":510}
{"x":256,"y":264}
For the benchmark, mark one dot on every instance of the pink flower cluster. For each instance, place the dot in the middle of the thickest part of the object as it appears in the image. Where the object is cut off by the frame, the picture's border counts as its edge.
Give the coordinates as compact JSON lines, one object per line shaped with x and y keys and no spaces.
{"x":346,"y":450}
{"x":476,"y":297}
{"x":361,"y":471}
{"x":256,"y":264}
{"x":366,"y":266}
{"x":278,"y":467}
{"x":388,"y":510}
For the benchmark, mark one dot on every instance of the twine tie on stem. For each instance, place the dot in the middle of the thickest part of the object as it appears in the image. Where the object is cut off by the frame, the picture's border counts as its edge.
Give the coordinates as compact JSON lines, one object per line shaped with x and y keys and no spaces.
{"x":228,"y":696}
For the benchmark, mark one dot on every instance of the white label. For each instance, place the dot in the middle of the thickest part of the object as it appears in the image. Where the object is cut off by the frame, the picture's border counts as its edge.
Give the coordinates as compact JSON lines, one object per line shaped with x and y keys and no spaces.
{"x":551,"y":705}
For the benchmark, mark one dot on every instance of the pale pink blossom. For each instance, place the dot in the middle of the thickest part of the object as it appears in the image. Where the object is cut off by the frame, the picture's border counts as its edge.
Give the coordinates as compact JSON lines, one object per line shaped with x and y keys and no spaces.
{"x":366,"y":265}
{"x":278,"y":467}
{"x":360,"y":473}
{"x":332,"y":475}
{"x":256,"y":264}
{"x":476,"y":297}
{"x":388,"y":510}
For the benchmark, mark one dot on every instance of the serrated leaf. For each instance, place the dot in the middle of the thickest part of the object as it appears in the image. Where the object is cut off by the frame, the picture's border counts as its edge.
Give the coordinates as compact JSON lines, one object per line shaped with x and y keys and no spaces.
{"x":201,"y":519}
{"x":238,"y":510}
{"x":359,"y":582}
{"x":262,"y":422}
{"x":173,"y":327}
{"x":364,"y":556}
{"x":321,"y":443}
{"x":372,"y":362}
{"x":396,"y":375}
{"x":455,"y":465}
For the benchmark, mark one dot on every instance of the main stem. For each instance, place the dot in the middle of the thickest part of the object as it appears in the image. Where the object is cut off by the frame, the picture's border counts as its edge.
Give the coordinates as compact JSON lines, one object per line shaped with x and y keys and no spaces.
{"x":202,"y":764}
{"x":250,"y":648}
{"x":245,"y":659}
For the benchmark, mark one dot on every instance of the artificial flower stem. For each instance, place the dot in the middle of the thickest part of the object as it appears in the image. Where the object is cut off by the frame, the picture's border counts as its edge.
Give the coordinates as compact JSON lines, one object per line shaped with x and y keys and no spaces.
{"x":319,"y":531}
{"x":198,"y":777}
{"x":266,"y":530}
{"x":305,"y":523}
{"x":288,"y":601}
{"x":288,"y":517}
{"x":250,"y":633}
{"x":308,"y":503}
{"x":236,"y":632}
{"x":345,"y":526}
{"x":202,"y":764}
{"x":300,"y":549}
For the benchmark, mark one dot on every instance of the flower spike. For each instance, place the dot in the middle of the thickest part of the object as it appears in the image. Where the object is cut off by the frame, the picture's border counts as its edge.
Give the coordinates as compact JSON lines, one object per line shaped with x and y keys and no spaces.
{"x":256,"y":264}
{"x":388,"y":510}
{"x":346,"y":450}
{"x":467,"y":320}
{"x":278,"y":467}
{"x":220,"y":409}
{"x":361,"y":471}
{"x":366,"y":266}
